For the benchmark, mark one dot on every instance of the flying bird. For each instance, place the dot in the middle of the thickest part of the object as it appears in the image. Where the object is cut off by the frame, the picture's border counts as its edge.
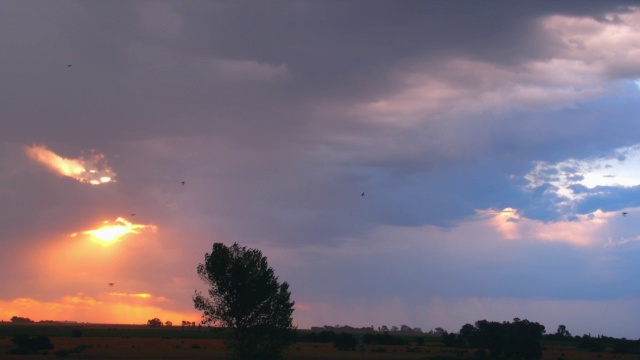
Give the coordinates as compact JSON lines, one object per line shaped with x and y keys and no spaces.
{"x":111,"y":284}
{"x":184,"y":182}
{"x":133,"y":214}
{"x":69,"y":65}
{"x":624,"y":214}
{"x":362,"y":194}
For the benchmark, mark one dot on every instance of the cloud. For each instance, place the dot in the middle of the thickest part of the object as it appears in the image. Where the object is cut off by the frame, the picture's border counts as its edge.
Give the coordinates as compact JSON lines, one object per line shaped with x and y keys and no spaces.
{"x":582,"y":230}
{"x":585,"y":185}
{"x":160,"y":18}
{"x":92,"y":170}
{"x":607,"y":46}
{"x":139,"y":296}
{"x":593,"y":53}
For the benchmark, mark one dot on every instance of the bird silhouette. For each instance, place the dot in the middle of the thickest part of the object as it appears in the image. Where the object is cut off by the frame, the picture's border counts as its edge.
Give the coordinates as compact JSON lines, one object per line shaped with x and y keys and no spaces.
{"x":111,"y":284}
{"x":184,"y":182}
{"x":133,"y":214}
{"x":624,"y":214}
{"x":362,"y":194}
{"x":69,"y":65}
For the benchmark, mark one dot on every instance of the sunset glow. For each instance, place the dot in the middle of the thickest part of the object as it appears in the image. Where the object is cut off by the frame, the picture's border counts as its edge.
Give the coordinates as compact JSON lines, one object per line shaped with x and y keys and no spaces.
{"x":81,"y":307}
{"x":113,"y":231}
{"x":92,"y":170}
{"x":142,"y":296}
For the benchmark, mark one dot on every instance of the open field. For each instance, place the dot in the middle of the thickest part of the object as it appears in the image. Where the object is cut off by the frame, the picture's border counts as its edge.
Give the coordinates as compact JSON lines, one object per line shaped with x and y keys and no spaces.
{"x":142,"y":342}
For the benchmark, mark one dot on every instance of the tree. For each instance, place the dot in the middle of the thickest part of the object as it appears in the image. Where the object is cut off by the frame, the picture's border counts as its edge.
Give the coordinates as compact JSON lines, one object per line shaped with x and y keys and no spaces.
{"x":155,"y":322}
{"x":168,"y":323}
{"x":246,"y":297}
{"x":439,"y":331}
{"x":562,"y":332}
{"x":520,"y":339}
{"x":18,"y":319}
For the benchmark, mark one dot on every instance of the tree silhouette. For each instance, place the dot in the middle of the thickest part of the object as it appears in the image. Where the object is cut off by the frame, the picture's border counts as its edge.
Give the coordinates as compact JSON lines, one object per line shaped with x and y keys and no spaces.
{"x":245,"y":296}
{"x":18,"y":319}
{"x":520,"y":339}
{"x":155,"y":322}
{"x":562,"y":332}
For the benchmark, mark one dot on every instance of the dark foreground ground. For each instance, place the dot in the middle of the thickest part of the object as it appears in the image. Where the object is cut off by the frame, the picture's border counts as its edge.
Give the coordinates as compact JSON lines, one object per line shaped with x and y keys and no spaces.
{"x":87,"y":341}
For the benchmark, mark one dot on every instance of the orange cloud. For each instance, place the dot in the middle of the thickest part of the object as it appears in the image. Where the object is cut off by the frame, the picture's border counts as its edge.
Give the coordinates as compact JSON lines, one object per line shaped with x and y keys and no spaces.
{"x":92,"y":170}
{"x":303,"y":307}
{"x":139,"y":296}
{"x":586,"y":230}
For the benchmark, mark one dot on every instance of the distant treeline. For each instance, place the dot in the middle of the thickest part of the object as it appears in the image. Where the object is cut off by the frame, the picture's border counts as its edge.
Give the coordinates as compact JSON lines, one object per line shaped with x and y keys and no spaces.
{"x":520,"y":339}
{"x":601,"y":343}
{"x":368,"y":338}
{"x":26,"y":320}
{"x":403,"y":329}
{"x":350,"y":341}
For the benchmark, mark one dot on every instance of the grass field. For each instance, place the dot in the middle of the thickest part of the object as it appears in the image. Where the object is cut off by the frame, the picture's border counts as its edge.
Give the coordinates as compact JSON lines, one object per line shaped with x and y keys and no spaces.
{"x":142,"y":342}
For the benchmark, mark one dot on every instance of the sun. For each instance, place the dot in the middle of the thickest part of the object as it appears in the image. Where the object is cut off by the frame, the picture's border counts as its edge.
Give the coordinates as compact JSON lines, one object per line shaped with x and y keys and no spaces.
{"x":113,"y":231}
{"x":109,"y":233}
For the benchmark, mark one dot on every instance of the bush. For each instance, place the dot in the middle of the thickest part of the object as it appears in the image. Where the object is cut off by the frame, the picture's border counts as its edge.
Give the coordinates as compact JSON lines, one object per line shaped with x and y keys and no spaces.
{"x":26,"y":344}
{"x":63,"y":352}
{"x":481,"y":354}
{"x":66,"y":352}
{"x":592,"y":344}
{"x":345,"y":342}
{"x":385,"y":339}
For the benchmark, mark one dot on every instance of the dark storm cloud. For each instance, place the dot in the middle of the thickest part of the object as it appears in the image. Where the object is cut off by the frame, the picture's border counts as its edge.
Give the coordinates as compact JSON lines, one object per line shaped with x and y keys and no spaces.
{"x":342,"y":41}
{"x":334,"y":51}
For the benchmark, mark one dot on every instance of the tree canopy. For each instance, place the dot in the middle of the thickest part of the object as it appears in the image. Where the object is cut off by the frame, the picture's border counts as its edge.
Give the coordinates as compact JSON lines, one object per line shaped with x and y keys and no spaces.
{"x":155,"y":322}
{"x":18,"y":319}
{"x":520,"y":339}
{"x":245,"y":295}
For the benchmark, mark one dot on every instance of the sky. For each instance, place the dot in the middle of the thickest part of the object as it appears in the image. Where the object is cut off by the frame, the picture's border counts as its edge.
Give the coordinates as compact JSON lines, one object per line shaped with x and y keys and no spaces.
{"x":496,"y":143}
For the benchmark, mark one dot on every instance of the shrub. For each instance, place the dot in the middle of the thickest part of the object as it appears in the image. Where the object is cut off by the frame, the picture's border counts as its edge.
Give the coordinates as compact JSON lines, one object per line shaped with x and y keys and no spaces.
{"x":63,"y":352}
{"x":26,"y":344}
{"x":481,"y":354}
{"x":66,"y":352}
{"x":345,"y":342}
